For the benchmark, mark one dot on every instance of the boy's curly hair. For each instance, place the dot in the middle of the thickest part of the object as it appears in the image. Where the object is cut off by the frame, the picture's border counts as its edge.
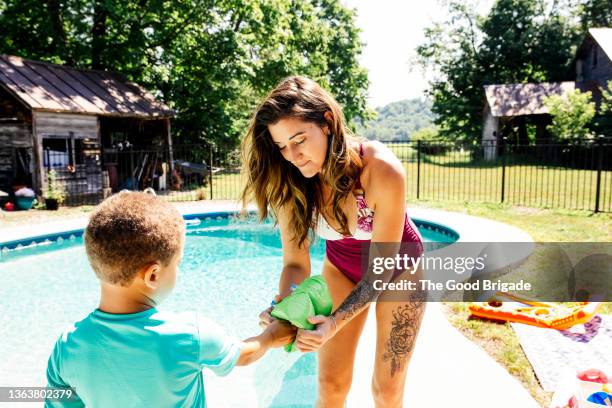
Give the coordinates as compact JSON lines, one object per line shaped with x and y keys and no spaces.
{"x":129,"y":230}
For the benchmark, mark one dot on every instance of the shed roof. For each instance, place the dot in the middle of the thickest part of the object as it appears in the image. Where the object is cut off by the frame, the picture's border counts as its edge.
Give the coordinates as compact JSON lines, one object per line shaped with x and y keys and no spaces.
{"x":528,"y":99}
{"x":56,"y":88}
{"x":523,"y":99}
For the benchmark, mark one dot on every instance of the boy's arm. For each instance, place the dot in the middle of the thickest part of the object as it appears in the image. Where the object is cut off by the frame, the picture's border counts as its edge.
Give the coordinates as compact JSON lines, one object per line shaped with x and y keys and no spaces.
{"x":276,"y":334}
{"x":253,"y":348}
{"x":220,"y":352}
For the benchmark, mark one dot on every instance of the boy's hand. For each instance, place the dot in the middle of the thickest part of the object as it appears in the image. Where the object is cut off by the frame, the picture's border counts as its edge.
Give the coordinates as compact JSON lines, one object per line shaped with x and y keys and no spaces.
{"x":265,"y":318}
{"x":281,"y":333}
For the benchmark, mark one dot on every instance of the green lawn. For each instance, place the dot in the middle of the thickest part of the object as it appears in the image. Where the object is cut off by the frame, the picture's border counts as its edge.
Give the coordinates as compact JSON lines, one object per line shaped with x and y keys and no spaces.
{"x":535,"y":186}
{"x":454,"y":177}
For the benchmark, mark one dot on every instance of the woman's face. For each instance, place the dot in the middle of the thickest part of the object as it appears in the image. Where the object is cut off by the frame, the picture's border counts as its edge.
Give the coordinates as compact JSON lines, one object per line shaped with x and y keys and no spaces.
{"x":302,"y":143}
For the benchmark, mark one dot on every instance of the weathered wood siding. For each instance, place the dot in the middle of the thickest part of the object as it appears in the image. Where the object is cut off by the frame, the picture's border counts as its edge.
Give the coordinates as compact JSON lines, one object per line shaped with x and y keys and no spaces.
{"x":64,"y":125}
{"x":86,"y":179}
{"x":12,"y":135}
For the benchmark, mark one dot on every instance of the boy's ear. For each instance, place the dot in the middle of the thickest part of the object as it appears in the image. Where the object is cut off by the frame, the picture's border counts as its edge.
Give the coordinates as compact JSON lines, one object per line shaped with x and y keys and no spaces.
{"x":150,"y":275}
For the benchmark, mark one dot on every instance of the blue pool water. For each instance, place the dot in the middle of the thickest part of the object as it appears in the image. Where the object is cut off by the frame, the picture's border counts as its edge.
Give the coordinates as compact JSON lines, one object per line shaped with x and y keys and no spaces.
{"x":229,"y":272}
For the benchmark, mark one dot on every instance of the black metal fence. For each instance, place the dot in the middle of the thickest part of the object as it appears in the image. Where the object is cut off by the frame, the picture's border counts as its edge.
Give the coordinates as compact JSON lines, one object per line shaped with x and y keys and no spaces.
{"x":177,"y":173}
{"x":572,"y":175}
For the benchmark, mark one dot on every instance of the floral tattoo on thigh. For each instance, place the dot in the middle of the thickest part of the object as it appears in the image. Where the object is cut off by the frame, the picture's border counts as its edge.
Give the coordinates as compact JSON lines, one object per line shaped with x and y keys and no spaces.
{"x":404,"y":329}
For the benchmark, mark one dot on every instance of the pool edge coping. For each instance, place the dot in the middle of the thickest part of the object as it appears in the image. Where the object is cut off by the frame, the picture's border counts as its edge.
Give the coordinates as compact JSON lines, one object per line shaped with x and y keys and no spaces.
{"x":462,"y":225}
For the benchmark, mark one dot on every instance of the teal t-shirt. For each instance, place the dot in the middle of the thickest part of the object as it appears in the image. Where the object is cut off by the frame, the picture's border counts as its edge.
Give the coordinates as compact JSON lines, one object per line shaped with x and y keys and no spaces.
{"x":147,"y":359}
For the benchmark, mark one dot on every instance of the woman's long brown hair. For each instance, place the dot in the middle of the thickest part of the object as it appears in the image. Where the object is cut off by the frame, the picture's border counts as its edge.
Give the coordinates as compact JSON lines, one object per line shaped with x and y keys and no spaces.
{"x":273,"y":181}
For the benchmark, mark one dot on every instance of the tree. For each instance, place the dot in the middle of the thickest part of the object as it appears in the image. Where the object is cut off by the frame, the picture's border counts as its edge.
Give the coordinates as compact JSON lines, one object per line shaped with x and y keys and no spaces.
{"x":602,"y":123}
{"x":606,"y":100}
{"x":595,"y":13}
{"x":211,"y":60}
{"x":519,"y":41}
{"x":571,"y":113}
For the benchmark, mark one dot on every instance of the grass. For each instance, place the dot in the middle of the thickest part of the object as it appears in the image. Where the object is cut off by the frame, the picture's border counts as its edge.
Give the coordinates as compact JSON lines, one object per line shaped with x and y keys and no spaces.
{"x":529,"y":185}
{"x":544,"y":225}
{"x":454,"y":177}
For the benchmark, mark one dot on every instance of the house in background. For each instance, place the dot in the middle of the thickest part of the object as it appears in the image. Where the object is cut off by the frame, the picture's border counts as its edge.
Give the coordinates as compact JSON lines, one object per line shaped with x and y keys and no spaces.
{"x":68,"y":120}
{"x":513,"y":106}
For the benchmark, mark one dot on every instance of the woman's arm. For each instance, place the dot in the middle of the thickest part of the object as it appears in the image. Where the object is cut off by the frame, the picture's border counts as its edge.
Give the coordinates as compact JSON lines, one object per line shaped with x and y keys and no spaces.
{"x":296,"y":260}
{"x":296,"y":265}
{"x":386,"y":194}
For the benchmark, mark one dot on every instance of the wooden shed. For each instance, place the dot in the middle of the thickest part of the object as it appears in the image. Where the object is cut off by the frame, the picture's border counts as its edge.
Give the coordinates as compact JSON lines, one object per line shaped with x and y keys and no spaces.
{"x":513,"y":106}
{"x":62,"y":118}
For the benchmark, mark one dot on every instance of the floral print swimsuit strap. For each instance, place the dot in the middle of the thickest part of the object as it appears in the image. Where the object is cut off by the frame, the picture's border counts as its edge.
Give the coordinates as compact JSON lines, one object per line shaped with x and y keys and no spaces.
{"x":365,"y":215}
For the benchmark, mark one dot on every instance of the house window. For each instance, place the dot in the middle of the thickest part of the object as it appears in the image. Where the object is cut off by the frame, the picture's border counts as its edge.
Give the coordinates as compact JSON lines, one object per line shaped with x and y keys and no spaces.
{"x":62,"y":153}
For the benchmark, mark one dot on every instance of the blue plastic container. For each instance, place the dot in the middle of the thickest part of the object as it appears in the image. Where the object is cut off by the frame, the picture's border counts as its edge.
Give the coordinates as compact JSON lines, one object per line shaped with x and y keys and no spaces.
{"x":24,"y":203}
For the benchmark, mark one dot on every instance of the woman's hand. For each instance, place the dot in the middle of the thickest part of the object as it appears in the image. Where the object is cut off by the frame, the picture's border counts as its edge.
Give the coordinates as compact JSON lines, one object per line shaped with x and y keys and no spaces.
{"x":312,"y":340}
{"x":265,"y":318}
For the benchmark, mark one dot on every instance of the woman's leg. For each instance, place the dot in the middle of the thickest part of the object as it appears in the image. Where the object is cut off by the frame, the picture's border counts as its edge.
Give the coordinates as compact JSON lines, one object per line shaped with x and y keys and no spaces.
{"x":397,"y":326}
{"x":336,"y":357}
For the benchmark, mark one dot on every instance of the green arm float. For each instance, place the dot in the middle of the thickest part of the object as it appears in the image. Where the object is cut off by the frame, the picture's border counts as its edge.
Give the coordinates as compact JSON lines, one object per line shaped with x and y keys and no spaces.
{"x":310,"y":298}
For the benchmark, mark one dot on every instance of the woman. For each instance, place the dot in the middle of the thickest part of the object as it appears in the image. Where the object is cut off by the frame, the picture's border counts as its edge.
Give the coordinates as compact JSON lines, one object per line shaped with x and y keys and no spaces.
{"x":300,"y":160}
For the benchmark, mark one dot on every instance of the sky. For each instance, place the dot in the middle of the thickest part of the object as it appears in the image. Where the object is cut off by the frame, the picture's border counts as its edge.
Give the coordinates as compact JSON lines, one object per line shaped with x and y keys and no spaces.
{"x":392,"y":29}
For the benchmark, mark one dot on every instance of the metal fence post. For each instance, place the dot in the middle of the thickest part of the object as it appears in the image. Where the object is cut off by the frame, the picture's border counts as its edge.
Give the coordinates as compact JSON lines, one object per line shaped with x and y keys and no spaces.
{"x":418,"y":169}
{"x":600,"y":147}
{"x":211,"y":172}
{"x":132,"y":169}
{"x":502,"y":153}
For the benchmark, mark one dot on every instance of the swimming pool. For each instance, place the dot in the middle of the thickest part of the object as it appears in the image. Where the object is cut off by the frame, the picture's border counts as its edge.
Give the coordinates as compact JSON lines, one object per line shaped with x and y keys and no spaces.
{"x":229,"y":273}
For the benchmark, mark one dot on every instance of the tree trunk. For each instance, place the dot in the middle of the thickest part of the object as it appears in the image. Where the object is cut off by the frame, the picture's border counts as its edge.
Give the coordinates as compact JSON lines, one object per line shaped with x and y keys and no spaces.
{"x":60,"y":42}
{"x":523,"y":137}
{"x":98,"y":34}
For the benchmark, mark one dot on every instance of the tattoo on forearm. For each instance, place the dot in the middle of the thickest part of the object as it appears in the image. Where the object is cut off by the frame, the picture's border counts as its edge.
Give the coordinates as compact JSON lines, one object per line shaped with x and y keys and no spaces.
{"x":405,"y":326}
{"x":361,"y":295}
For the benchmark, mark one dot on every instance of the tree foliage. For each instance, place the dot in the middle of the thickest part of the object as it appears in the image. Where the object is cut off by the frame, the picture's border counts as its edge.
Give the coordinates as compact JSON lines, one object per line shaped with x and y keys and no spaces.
{"x":519,"y":41}
{"x":606,"y":100}
{"x":571,"y":113}
{"x":595,"y":13}
{"x":602,"y":123}
{"x":211,"y":60}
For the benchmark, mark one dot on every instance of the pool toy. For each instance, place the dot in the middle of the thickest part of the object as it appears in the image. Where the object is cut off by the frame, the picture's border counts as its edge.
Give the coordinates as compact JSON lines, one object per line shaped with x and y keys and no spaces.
{"x":539,"y":314}
{"x":595,"y":390}
{"x":590,"y":389}
{"x":310,"y":298}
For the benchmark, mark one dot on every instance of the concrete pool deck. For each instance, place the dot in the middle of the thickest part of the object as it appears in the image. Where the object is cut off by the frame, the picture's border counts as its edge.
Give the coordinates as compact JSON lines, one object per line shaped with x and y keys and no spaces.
{"x":446,"y":369}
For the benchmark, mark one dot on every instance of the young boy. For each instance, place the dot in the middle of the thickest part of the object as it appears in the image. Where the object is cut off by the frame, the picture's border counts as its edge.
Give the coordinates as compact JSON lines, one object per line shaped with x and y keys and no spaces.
{"x":127,"y":353}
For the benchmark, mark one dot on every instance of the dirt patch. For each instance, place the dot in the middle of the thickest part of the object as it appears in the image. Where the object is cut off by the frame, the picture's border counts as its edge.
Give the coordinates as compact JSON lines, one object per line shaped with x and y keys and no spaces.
{"x":15,"y":218}
{"x":526,"y":210}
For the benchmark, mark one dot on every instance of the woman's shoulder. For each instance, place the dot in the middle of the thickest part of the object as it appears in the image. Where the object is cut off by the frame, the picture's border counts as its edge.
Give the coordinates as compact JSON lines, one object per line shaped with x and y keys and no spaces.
{"x":380,"y":161}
